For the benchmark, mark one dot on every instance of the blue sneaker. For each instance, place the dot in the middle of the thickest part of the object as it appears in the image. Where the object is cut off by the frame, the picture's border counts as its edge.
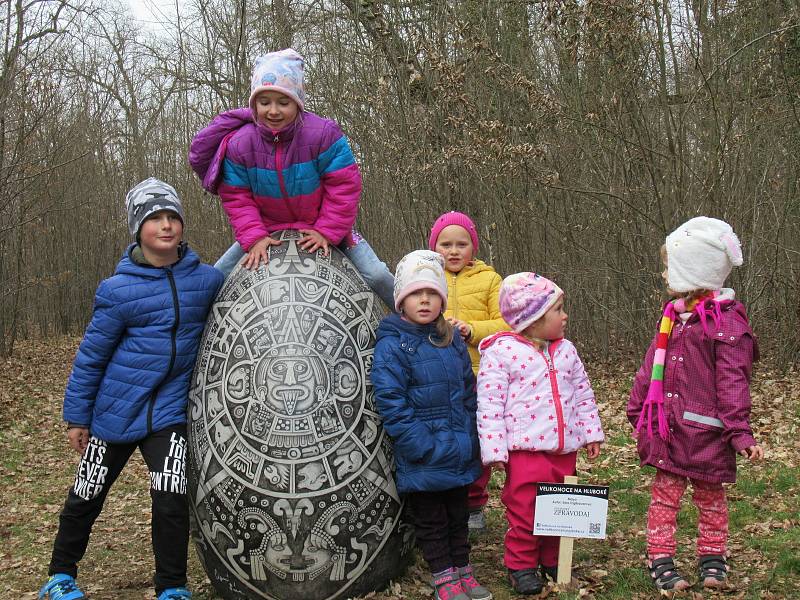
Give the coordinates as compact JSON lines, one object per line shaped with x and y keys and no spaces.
{"x":60,"y":587}
{"x":179,"y":593}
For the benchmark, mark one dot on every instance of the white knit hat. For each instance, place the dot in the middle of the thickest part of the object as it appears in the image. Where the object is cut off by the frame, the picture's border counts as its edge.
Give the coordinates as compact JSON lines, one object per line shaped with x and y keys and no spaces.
{"x":701,"y":254}
{"x":418,"y":270}
{"x":280,"y":71}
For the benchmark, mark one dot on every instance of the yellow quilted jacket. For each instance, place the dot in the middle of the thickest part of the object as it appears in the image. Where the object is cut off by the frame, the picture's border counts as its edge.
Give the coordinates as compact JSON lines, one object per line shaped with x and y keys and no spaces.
{"x":473,"y":296}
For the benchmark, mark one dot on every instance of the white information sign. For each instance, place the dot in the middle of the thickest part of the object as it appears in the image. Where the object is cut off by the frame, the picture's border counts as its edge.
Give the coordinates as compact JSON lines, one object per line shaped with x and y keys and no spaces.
{"x":571,"y":510}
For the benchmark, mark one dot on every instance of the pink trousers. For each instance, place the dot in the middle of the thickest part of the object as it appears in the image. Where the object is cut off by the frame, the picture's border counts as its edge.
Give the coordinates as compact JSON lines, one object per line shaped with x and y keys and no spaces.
{"x":524,"y":470}
{"x":478,"y":494}
{"x":665,"y":502}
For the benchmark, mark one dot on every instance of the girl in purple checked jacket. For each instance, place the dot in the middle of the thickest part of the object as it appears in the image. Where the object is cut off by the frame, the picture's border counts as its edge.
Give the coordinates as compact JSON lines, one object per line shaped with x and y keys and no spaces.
{"x":690,"y":401}
{"x":277,"y":166}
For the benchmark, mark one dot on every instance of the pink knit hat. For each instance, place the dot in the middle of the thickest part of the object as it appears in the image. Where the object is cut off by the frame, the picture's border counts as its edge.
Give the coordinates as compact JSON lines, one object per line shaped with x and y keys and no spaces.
{"x":525,"y":297}
{"x":453,"y":218}
{"x":280,"y":71}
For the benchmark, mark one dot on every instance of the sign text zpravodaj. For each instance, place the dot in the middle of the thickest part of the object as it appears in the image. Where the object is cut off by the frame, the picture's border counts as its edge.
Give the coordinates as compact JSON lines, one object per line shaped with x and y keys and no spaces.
{"x":571,"y":510}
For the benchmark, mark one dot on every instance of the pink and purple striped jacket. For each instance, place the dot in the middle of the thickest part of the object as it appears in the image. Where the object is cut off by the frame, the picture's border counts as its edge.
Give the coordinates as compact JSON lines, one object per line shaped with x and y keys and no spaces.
{"x":301,"y":177}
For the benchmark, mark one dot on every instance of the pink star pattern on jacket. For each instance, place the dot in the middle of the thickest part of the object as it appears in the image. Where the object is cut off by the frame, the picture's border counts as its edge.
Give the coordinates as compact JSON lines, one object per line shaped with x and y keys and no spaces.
{"x":545,"y":411}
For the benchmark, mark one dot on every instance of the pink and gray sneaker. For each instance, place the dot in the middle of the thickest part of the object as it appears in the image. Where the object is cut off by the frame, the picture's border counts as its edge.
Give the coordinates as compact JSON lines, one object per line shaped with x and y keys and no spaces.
{"x":471,"y":586}
{"x":447,"y":585}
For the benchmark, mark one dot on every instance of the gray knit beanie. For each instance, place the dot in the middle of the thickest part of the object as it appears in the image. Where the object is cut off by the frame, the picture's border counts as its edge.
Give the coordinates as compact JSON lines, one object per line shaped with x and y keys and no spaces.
{"x":148,"y":197}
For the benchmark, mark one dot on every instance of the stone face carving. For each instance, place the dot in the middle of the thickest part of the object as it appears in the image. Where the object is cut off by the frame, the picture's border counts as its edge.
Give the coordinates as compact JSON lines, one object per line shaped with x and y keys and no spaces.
{"x":290,"y":476}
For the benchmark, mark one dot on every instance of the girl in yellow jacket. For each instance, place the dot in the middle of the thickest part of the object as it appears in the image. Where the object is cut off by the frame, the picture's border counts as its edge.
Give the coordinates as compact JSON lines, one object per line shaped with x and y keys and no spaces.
{"x":473,"y":308}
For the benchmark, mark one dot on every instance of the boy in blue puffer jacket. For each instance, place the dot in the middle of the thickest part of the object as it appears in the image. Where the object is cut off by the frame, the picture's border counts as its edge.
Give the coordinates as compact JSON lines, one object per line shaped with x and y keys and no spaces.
{"x":129,"y":385}
{"x":425,"y":394}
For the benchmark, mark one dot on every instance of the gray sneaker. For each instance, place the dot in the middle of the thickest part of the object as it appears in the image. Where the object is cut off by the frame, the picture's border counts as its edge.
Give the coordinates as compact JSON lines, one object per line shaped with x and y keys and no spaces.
{"x":477,"y":522}
{"x":472,"y":588}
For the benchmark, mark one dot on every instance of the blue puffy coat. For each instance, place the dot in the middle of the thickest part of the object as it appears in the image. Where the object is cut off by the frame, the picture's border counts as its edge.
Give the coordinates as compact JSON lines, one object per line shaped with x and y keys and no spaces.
{"x":132,"y":371}
{"x":426,"y":397}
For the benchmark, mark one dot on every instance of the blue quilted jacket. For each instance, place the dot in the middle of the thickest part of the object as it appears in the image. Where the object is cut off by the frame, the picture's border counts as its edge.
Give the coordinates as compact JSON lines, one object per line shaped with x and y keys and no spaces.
{"x":426,"y":397}
{"x":132,"y":371}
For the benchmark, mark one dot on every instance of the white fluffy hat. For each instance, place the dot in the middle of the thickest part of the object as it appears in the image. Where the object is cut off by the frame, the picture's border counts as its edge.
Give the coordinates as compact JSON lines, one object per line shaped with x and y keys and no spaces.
{"x":418,"y":270}
{"x":701,"y":254}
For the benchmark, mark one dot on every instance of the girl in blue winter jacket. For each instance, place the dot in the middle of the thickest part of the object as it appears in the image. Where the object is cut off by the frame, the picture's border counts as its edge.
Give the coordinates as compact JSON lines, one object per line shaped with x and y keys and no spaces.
{"x":425,"y":393}
{"x":129,"y":385}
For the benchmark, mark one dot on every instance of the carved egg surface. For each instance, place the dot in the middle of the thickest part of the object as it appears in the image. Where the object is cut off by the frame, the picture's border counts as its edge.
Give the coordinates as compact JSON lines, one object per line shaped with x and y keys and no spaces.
{"x":290,"y":472}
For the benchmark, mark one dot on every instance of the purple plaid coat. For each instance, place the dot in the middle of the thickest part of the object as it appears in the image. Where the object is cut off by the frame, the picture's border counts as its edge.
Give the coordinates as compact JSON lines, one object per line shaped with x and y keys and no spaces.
{"x":707,"y":397}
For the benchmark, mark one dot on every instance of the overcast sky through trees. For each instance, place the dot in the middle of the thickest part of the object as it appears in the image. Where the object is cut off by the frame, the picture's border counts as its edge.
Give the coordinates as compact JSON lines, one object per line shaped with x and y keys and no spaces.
{"x":153,"y":12}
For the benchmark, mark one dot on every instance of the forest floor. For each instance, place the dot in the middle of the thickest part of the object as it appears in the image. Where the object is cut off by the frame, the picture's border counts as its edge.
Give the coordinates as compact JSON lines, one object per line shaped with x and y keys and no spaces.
{"x":36,"y":468}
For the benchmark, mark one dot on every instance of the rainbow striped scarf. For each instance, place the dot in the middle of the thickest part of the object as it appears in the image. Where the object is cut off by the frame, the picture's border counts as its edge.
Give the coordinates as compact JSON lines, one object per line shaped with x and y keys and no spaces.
{"x":704,"y":306}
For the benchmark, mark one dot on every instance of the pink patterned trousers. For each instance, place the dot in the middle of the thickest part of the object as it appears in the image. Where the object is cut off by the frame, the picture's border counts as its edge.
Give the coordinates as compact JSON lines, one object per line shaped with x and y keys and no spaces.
{"x":712,"y":522}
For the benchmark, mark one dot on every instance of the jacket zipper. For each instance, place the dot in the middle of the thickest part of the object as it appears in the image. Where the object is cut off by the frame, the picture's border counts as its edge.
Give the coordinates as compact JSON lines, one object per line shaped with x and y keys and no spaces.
{"x":281,"y":182}
{"x":455,"y":295}
{"x":173,"y":350}
{"x":551,"y":371}
{"x":279,"y":167}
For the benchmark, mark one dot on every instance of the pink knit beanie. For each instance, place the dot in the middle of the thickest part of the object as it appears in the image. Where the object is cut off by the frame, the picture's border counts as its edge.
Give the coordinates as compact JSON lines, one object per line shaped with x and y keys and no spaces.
{"x":453,"y":218}
{"x":525,"y":297}
{"x":280,"y":71}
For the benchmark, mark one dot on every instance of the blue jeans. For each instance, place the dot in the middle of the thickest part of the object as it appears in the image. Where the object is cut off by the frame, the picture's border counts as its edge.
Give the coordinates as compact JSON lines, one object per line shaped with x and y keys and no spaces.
{"x":228,"y":261}
{"x":372,"y":269}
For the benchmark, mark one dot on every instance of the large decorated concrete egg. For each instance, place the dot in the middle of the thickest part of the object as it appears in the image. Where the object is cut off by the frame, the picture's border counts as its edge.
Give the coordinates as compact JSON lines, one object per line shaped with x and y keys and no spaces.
{"x":290,"y":471}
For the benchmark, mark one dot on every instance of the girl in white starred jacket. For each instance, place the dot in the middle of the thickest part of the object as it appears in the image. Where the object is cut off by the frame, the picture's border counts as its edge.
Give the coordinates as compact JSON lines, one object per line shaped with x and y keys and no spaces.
{"x":536,"y":409}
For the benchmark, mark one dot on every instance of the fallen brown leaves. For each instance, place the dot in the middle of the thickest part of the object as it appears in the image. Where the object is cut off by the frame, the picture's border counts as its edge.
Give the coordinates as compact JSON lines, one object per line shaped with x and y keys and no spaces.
{"x":36,"y":468}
